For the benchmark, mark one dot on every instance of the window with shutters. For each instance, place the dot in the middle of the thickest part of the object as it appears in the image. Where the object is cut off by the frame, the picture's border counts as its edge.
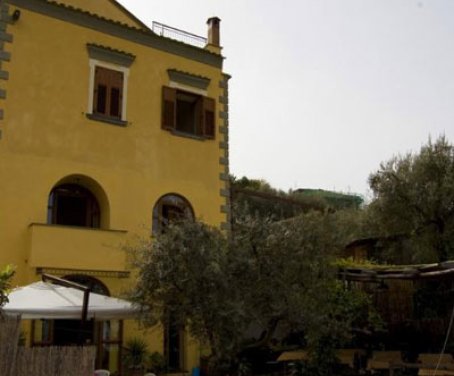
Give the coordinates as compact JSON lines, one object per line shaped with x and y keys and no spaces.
{"x":108,"y":92}
{"x":187,"y":113}
{"x":107,"y":99}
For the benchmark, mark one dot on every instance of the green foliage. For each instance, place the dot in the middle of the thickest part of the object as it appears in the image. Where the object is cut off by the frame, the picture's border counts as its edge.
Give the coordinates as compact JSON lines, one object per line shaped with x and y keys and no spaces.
{"x":259,"y":197}
{"x":156,"y":363}
{"x":334,"y":200}
{"x":264,"y":276}
{"x":5,"y":283}
{"x":413,"y":205}
{"x":136,"y":354}
{"x":260,"y":185}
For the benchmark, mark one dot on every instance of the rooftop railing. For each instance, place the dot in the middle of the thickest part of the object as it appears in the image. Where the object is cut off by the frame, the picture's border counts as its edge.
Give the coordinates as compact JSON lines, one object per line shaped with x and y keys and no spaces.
{"x":179,"y":35}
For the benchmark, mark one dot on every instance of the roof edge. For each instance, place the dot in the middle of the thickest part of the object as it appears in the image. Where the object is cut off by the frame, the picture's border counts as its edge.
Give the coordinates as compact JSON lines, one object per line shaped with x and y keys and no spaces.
{"x":129,"y":14}
{"x":120,"y":30}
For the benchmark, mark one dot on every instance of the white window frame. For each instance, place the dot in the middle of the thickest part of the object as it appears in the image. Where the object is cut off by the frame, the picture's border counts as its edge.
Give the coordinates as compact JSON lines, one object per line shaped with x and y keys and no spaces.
{"x":93,"y":63}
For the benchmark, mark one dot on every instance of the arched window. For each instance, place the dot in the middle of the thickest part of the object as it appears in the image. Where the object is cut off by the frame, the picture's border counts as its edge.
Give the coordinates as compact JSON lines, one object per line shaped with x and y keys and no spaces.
{"x":95,"y":285}
{"x":73,"y":205}
{"x":170,"y":207}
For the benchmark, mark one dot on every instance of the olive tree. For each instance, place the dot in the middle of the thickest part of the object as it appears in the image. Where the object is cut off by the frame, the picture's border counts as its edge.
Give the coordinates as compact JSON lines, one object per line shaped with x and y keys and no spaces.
{"x":413,"y":203}
{"x":245,"y":289}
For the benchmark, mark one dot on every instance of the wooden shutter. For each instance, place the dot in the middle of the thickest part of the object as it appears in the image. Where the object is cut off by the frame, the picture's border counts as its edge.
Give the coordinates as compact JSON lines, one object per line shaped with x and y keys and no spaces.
{"x":209,"y":122}
{"x":100,"y":91}
{"x":169,"y":107}
{"x":115,"y":85}
{"x":108,"y":92}
{"x":199,"y":118}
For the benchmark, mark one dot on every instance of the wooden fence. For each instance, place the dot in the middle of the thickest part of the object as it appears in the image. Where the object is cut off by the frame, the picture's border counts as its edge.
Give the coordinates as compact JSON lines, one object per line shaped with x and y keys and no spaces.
{"x":40,"y":361}
{"x":9,"y":337}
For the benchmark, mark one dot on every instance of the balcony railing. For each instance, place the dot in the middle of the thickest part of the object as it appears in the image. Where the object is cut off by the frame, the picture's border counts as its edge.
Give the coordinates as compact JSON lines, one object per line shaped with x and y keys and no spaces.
{"x":55,"y":246}
{"x":179,"y":35}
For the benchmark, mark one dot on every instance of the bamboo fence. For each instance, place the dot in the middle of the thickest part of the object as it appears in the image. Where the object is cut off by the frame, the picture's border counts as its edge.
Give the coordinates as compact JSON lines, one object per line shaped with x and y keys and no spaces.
{"x":17,"y":360}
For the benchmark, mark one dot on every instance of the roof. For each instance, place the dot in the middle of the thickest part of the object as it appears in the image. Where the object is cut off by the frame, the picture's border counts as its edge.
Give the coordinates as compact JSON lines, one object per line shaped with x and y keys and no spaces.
{"x":108,"y":9}
{"x":118,"y":22}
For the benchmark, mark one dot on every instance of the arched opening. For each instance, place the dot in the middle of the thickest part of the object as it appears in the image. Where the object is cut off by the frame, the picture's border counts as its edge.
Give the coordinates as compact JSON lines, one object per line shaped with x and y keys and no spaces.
{"x":106,"y":336}
{"x":78,"y":200}
{"x":94,"y":284}
{"x":68,"y":332}
{"x":170,"y":207}
{"x":73,"y":205}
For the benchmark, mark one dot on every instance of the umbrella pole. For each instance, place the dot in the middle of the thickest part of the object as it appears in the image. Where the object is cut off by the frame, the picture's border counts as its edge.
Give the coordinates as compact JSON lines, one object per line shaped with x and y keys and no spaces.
{"x":85,"y":289}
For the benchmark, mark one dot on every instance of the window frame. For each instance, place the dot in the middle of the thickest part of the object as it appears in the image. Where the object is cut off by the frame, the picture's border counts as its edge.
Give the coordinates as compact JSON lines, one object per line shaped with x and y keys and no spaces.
{"x":169,"y":111}
{"x":93,"y":64}
{"x":92,"y":206}
{"x":169,"y":200}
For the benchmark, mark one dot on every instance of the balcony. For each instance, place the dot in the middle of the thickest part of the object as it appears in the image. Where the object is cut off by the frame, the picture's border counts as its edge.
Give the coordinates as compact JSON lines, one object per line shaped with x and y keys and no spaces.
{"x":179,"y":35}
{"x":80,"y":248}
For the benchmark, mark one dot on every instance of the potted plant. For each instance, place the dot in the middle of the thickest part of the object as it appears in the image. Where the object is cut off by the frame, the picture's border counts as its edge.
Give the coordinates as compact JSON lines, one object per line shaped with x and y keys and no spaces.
{"x":136,"y":356}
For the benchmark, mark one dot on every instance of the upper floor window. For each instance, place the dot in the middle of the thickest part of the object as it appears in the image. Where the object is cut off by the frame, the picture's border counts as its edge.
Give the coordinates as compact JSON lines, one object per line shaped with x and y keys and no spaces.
{"x":188,"y":113}
{"x":170,"y":208}
{"x":186,"y":108}
{"x":109,"y":71}
{"x":108,"y":92}
{"x":73,"y":205}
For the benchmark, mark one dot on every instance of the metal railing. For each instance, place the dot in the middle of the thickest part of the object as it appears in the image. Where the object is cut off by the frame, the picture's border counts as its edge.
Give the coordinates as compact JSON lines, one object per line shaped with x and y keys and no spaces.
{"x":179,"y":35}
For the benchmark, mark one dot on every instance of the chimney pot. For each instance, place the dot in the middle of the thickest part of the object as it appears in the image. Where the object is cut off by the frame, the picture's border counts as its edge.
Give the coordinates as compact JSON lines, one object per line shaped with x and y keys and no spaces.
{"x":213,"y":31}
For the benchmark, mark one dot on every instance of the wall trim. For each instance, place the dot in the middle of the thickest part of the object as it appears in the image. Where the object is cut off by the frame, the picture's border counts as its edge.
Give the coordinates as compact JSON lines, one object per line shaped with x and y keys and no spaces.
{"x":111,"y":55}
{"x":96,"y":273}
{"x":186,"y":78}
{"x":223,"y":130}
{"x":5,"y":37}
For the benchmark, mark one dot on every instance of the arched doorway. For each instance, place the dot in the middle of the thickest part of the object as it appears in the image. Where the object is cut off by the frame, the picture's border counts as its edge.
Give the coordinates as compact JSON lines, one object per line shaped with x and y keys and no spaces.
{"x":78,"y":200}
{"x":73,"y":205}
{"x":172,"y":207}
{"x":106,"y":336}
{"x":68,"y":332}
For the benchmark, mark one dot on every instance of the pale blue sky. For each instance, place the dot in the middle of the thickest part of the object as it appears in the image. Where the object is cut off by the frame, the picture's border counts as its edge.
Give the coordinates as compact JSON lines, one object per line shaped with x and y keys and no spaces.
{"x":322,"y":91}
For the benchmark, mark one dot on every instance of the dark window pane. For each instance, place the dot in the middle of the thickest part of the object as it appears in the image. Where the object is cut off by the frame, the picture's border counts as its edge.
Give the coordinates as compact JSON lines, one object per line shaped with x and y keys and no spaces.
{"x":185,"y":117}
{"x":170,"y":208}
{"x":174,"y":347}
{"x":73,"y":205}
{"x":101,"y":98}
{"x":188,"y":112}
{"x":72,"y":211}
{"x":115,"y":102}
{"x":69,"y":332}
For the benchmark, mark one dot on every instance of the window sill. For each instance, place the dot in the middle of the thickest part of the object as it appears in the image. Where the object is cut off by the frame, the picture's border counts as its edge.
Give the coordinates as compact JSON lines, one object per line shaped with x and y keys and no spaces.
{"x":186,"y":135}
{"x":105,"y":119}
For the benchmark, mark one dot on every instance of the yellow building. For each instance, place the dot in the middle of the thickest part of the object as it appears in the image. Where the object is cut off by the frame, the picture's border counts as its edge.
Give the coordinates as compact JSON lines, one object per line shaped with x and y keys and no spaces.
{"x":108,"y":128}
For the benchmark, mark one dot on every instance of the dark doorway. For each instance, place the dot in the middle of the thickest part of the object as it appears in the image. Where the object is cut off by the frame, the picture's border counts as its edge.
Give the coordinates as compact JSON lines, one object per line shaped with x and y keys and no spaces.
{"x":70,"y":332}
{"x":73,"y":205}
{"x":173,"y":342}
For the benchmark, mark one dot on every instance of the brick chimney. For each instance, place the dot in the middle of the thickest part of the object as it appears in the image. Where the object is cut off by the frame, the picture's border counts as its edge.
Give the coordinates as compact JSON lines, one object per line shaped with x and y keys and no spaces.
{"x":213,"y":31}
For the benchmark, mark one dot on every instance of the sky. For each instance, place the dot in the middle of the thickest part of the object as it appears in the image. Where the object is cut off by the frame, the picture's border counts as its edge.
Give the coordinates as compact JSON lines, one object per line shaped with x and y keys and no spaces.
{"x":323,"y":91}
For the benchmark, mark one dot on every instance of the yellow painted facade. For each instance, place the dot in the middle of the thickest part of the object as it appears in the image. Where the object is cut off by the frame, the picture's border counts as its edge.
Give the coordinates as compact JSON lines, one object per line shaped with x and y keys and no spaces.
{"x":48,"y":138}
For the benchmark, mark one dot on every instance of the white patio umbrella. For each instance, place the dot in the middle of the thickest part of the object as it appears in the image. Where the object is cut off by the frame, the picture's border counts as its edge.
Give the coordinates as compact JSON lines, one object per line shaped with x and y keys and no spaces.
{"x":44,"y":300}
